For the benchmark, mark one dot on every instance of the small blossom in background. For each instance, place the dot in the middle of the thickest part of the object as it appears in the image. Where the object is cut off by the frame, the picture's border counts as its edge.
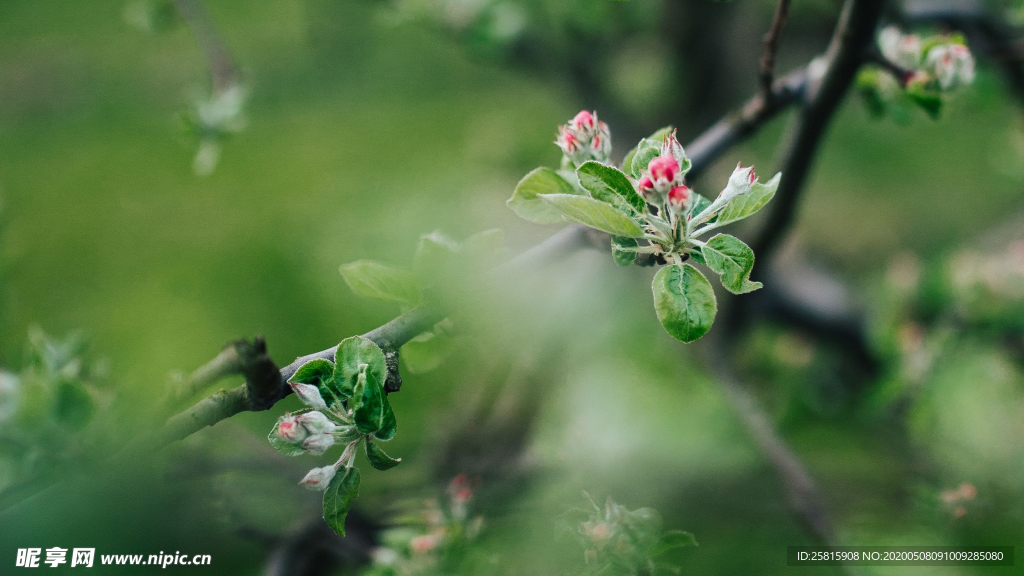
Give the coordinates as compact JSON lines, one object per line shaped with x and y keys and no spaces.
{"x":957,"y":499}
{"x":585,"y":138}
{"x":903,"y":50}
{"x":951,"y":64}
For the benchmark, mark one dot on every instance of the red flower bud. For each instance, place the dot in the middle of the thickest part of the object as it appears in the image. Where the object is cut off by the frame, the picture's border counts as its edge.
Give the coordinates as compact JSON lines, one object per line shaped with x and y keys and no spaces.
{"x":678,"y":199}
{"x":290,"y":430}
{"x":584,"y":121}
{"x":663,"y":169}
{"x":645,"y":187}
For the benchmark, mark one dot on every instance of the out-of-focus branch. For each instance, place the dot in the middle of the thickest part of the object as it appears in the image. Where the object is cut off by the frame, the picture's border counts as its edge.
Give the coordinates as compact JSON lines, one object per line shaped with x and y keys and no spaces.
{"x":854,"y":35}
{"x":223,"y":71}
{"x":771,"y":47}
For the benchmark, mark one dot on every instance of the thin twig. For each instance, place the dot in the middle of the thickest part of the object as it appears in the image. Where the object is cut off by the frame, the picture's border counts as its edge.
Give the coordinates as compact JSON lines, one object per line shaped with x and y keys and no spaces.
{"x":223,"y":71}
{"x":771,"y":48}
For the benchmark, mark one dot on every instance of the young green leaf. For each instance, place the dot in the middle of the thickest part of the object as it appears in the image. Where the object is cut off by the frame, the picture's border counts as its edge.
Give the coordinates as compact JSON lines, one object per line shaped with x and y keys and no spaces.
{"x":733,"y":260}
{"x":646,"y":151}
{"x":671,"y":540}
{"x":621,"y":250}
{"x":608,"y":184}
{"x":658,"y":136}
{"x":684,"y":301}
{"x":338,"y":498}
{"x":351,"y":353}
{"x":435,"y":252}
{"x":378,"y":458}
{"x":368,"y":402}
{"x":382,"y":281}
{"x":426,"y":352}
{"x":525,"y":199}
{"x":746,"y":204}
{"x":594,"y":213}
{"x":320,"y":373}
{"x":388,"y":424}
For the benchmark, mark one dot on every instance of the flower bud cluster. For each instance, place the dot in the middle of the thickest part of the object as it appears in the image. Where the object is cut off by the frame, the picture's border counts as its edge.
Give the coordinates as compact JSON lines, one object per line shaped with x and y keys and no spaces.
{"x":585,"y":138}
{"x":663,"y":178}
{"x":311,"y":431}
{"x":939,"y":61}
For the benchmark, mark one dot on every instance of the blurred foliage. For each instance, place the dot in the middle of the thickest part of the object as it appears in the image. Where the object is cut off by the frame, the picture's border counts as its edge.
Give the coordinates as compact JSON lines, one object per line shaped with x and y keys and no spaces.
{"x":362,"y":138}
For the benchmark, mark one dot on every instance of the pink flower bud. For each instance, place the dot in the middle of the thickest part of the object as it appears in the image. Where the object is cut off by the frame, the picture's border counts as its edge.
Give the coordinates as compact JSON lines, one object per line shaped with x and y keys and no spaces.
{"x":567,"y":141}
{"x":290,"y":430}
{"x":678,"y":199}
{"x":663,"y":168}
{"x":424,"y":543}
{"x":309,"y":395}
{"x":602,"y":531}
{"x":645,"y":187}
{"x":316,"y":423}
{"x":584,"y":121}
{"x":671,"y":147}
{"x":318,"y":478}
{"x":318,"y":443}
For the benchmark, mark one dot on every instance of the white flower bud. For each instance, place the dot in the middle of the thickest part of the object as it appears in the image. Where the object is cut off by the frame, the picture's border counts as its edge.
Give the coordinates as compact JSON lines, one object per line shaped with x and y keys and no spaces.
{"x":952,"y":65}
{"x":318,"y":478}
{"x":318,"y":443}
{"x":316,"y":423}
{"x":309,"y":395}
{"x":903,"y":50}
{"x":741,"y":182}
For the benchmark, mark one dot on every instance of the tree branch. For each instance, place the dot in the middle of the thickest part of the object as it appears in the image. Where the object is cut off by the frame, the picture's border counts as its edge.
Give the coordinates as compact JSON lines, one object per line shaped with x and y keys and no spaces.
{"x":771,"y":47}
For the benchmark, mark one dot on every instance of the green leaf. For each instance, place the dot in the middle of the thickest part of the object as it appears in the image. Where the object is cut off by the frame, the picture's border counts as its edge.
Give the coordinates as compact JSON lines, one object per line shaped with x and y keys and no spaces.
{"x":671,"y":540}
{"x":351,"y":353}
{"x":608,"y":184}
{"x":338,"y":498}
{"x":733,"y":260}
{"x":435,"y":252}
{"x":320,"y":373}
{"x":484,"y":246}
{"x":658,"y":136}
{"x":388,"y":423}
{"x":928,"y":100}
{"x":746,"y":204}
{"x":621,"y":250}
{"x":378,"y":458}
{"x":426,"y":352}
{"x":595,"y":214}
{"x":368,"y":402}
{"x":684,"y":301}
{"x":646,"y":151}
{"x":525,"y":199}
{"x":699,"y":204}
{"x":382,"y":281}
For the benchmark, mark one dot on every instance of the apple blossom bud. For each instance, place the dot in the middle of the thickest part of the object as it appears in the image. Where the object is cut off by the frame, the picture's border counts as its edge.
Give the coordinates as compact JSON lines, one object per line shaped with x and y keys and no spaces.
{"x":290,"y":430}
{"x":741,"y":181}
{"x":602,"y":531}
{"x":952,"y":65}
{"x":671,"y":147}
{"x":318,"y":478}
{"x":567,"y":141}
{"x":663,"y":168}
{"x":309,"y":395}
{"x":316,"y":423}
{"x":645,"y":187}
{"x":679,"y":199}
{"x":901,"y":49}
{"x":424,"y":543}
{"x":584,"y":121}
{"x":318,"y":443}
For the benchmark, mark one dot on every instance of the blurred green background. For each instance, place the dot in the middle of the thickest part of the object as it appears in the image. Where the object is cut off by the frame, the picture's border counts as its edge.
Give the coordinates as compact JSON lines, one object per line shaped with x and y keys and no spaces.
{"x":367,"y":130}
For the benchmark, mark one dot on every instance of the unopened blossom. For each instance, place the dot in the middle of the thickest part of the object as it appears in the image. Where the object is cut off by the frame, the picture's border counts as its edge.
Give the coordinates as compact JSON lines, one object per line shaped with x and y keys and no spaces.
{"x":741,"y":182}
{"x":316,"y":423}
{"x":951,"y":64}
{"x":645,"y":186}
{"x":318,"y":443}
{"x":585,"y":138}
{"x":601,"y":532}
{"x":679,"y":199}
{"x":291,"y":430}
{"x":664,"y":174}
{"x":318,"y":478}
{"x":424,"y":543}
{"x":309,"y":395}
{"x":671,"y":147}
{"x":903,"y":50}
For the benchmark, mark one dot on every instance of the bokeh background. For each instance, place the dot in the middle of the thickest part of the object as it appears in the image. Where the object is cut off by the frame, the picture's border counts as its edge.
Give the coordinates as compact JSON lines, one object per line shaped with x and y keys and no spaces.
{"x":370,"y":124}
